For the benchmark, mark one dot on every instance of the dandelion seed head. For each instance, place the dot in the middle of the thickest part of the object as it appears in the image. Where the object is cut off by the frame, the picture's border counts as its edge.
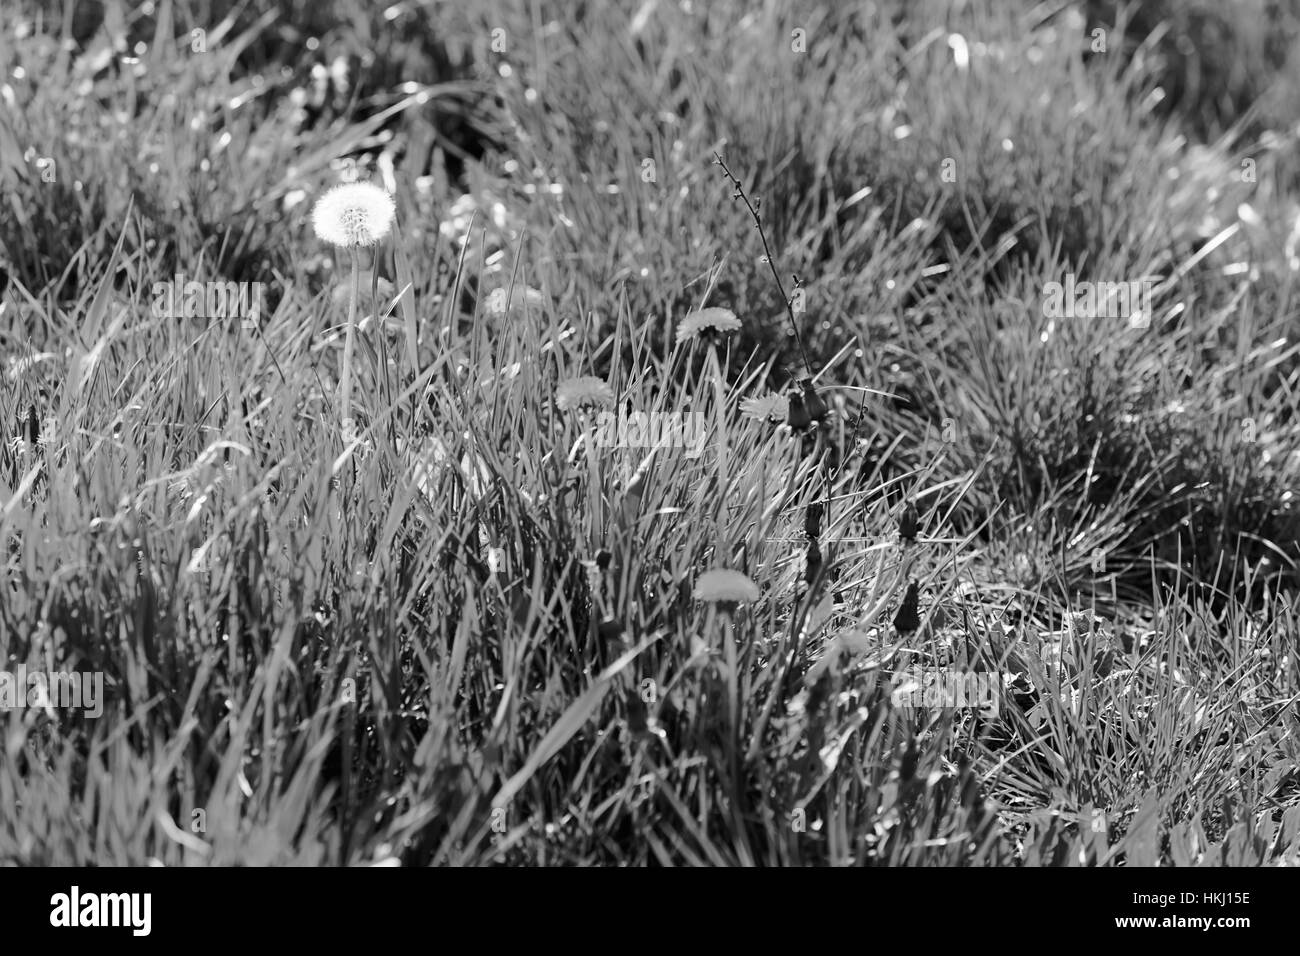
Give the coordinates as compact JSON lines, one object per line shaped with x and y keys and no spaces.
{"x":353,"y":214}
{"x":583,"y":390}
{"x":707,"y":323}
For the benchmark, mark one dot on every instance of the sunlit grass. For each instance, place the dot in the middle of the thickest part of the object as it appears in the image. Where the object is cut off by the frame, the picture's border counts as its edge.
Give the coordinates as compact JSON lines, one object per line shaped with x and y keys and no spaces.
{"x":479,"y":634}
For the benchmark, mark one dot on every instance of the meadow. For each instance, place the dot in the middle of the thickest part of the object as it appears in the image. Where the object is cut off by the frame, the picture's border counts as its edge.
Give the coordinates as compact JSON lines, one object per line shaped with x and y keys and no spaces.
{"x":775,"y":433}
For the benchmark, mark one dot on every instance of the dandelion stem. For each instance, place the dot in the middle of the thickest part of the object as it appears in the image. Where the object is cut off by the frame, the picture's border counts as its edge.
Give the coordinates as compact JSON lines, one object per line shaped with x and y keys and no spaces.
{"x":719,"y":412}
{"x":345,"y":384}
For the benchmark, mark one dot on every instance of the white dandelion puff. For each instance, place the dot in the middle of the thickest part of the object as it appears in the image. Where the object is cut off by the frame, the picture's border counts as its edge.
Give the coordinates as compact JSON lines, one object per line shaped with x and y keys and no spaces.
{"x":353,"y":214}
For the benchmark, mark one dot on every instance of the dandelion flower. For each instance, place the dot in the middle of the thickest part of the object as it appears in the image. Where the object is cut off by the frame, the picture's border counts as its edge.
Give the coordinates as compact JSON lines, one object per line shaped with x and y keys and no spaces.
{"x":857,"y":642}
{"x":353,"y":214}
{"x":770,"y":408}
{"x":726,"y":586}
{"x":522,"y":300}
{"x":706,"y":323}
{"x":583,"y":390}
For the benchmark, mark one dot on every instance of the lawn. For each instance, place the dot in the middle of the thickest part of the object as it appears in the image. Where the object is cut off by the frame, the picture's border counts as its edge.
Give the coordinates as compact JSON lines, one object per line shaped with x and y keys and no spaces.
{"x":757,"y":433}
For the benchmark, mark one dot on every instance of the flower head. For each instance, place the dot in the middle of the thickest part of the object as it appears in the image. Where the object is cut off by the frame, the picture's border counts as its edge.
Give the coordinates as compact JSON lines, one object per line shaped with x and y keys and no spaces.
{"x":583,"y":390}
{"x":707,"y":323}
{"x":725,"y":585}
{"x":518,"y":301}
{"x":771,"y":407}
{"x":353,"y":214}
{"x":856,"y":642}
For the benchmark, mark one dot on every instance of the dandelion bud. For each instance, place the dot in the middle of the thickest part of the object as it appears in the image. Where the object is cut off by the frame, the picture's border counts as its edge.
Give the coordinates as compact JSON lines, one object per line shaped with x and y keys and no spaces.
{"x":818,"y":693}
{"x":636,"y":714}
{"x":908,"y":618}
{"x":817,"y":409}
{"x":798,"y":419}
{"x":812,"y":520}
{"x":812,"y":562}
{"x":907,"y":766}
{"x":907,"y":524}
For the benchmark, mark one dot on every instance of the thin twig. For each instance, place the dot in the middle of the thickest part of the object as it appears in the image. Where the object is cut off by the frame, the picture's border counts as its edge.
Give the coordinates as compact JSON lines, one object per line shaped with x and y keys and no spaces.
{"x":767,"y":254}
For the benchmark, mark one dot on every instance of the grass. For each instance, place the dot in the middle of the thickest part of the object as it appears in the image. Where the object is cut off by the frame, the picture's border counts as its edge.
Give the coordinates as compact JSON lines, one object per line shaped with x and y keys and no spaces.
{"x":473,"y":636}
